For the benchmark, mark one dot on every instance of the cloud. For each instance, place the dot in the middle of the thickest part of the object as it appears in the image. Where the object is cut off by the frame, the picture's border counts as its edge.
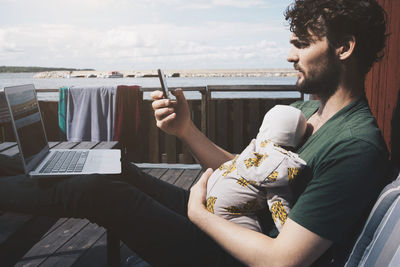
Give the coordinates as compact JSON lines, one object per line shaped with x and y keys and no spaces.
{"x":95,"y":4}
{"x":7,"y":45}
{"x":209,"y":4}
{"x":203,"y":4}
{"x":240,"y":3}
{"x":142,"y":46}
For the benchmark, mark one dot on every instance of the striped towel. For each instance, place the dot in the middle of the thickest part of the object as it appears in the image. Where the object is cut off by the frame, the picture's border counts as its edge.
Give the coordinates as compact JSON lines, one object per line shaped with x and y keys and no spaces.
{"x":379,"y":242}
{"x":90,"y":113}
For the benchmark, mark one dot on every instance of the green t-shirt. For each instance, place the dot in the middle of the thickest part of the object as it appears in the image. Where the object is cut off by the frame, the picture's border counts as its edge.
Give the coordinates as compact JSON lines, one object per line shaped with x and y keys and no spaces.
{"x":347,"y":160}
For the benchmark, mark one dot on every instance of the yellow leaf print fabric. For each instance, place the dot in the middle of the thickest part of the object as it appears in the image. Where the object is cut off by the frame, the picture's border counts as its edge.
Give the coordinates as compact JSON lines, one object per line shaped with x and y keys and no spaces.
{"x":254,"y":180}
{"x":228,"y":168}
{"x":279,"y":212}
{"x":234,"y":210}
{"x":255,"y":162}
{"x":272,"y":177}
{"x":211,"y":203}
{"x":292,"y":173}
{"x":264,"y":143}
{"x":250,"y":206}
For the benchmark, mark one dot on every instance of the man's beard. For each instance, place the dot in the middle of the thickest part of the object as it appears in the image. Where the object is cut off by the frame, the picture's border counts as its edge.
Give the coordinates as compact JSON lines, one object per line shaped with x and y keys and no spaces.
{"x":322,"y":80}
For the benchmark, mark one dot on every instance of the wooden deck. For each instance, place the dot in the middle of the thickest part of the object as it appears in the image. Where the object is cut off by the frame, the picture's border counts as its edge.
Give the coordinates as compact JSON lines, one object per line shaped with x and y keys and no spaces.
{"x":27,"y":240}
{"x":44,"y":241}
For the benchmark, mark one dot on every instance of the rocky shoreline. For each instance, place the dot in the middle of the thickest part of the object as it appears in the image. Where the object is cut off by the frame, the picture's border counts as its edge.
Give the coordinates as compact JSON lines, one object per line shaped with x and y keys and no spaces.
{"x":169,"y":73}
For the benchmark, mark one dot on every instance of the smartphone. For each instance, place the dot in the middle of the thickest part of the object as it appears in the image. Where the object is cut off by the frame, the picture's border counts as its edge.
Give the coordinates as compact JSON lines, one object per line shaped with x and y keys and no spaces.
{"x":163,"y":84}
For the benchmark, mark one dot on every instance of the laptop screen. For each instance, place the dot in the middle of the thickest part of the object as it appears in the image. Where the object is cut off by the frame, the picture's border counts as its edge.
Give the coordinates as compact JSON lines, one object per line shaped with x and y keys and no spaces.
{"x":28,"y":124}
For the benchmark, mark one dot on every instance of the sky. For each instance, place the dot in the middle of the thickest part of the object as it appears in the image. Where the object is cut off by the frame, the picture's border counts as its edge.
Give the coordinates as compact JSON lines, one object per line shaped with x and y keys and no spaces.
{"x":144,"y":34}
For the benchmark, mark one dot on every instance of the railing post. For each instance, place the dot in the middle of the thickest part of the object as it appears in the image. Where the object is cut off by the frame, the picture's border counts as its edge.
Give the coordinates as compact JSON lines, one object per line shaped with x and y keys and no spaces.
{"x":153,"y":141}
{"x":210,"y":116}
{"x":204,"y":102}
{"x":238,"y":125}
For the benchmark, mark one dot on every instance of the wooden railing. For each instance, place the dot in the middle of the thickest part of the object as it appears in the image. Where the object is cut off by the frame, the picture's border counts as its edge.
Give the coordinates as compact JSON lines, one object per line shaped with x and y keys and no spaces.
{"x":229,"y":122}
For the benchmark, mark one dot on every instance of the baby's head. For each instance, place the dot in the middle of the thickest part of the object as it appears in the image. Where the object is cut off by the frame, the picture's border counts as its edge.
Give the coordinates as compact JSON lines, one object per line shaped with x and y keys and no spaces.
{"x":284,"y":125}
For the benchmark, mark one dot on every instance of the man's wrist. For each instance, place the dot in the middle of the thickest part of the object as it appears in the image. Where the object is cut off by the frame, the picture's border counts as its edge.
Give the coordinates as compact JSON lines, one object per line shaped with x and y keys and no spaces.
{"x":188,"y":132}
{"x":198,"y":213}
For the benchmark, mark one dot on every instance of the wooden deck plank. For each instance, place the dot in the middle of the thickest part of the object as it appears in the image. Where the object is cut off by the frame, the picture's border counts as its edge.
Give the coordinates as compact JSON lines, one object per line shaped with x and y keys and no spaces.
{"x":58,"y":223}
{"x":157,"y":172}
{"x":11,"y":151}
{"x":146,"y":170}
{"x":75,"y":247}
{"x":6,"y":145}
{"x":51,"y":243}
{"x":66,"y":145}
{"x":171,"y":175}
{"x":187,"y":178}
{"x":106,"y":145}
{"x":86,"y":145}
{"x":53,"y":144}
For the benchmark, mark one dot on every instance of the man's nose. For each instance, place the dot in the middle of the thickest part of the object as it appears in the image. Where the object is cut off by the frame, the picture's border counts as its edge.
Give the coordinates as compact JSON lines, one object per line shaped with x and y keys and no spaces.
{"x":292,"y":56}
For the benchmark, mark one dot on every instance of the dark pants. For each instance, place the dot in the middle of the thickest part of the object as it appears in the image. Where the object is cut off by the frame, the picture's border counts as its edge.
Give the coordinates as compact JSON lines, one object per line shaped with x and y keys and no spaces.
{"x":147,"y":214}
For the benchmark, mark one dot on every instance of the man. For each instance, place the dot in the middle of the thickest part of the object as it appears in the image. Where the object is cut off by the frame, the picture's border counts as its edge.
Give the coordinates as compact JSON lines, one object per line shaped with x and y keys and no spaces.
{"x":334,"y":44}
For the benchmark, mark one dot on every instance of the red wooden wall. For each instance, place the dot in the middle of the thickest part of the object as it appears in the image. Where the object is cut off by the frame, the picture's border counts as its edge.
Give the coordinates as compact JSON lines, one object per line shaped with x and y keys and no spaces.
{"x":383,"y":81}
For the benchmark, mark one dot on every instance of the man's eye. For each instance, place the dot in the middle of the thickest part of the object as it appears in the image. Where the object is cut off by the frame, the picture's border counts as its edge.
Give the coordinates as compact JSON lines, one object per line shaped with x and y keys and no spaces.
{"x":302,"y":44}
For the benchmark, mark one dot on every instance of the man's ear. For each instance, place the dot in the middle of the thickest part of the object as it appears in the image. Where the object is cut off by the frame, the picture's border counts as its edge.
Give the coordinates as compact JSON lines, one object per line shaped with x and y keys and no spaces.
{"x":346,"y":48}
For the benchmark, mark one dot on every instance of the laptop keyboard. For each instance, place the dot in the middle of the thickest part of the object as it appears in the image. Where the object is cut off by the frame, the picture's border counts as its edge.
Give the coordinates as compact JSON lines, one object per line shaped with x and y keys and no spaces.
{"x":65,"y":161}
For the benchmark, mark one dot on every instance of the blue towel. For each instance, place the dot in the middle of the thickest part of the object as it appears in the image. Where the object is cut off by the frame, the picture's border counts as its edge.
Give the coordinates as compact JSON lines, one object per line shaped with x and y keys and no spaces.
{"x":62,"y":111}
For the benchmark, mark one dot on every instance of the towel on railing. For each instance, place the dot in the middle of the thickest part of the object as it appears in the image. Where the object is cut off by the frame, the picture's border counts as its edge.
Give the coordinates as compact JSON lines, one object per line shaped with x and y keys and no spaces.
{"x":62,"y":111}
{"x":4,"y":112}
{"x":127,"y":126}
{"x":90,"y":113}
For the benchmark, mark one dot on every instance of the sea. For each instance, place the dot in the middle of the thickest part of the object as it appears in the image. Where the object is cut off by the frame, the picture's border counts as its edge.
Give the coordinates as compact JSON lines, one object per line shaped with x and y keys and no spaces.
{"x":12,"y":79}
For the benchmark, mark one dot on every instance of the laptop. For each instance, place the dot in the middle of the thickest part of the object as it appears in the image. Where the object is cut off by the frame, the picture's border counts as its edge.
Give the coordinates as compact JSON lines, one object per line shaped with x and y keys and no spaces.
{"x":37,"y":158}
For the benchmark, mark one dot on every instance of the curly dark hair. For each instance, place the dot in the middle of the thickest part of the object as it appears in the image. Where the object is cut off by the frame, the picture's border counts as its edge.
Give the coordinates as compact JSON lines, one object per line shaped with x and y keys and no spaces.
{"x":339,"y":19}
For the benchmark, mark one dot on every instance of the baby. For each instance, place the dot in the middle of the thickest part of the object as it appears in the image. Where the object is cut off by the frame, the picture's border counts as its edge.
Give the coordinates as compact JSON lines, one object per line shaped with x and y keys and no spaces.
{"x":261,"y":174}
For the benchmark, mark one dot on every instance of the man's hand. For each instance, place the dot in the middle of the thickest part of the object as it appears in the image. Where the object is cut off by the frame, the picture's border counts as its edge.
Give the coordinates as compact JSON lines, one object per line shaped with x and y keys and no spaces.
{"x":197,"y":197}
{"x":172,"y":116}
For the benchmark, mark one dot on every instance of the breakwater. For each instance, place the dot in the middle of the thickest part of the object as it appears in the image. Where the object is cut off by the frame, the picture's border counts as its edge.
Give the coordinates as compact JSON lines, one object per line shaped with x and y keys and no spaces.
{"x":169,"y":73}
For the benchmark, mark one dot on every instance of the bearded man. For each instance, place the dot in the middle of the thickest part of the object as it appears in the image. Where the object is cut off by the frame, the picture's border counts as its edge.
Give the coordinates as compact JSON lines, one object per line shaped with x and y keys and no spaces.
{"x":334,"y":44}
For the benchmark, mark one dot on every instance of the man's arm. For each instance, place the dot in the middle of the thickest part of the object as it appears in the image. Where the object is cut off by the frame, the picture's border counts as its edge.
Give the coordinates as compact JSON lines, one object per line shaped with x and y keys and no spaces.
{"x":173,"y":117}
{"x":295,"y":245}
